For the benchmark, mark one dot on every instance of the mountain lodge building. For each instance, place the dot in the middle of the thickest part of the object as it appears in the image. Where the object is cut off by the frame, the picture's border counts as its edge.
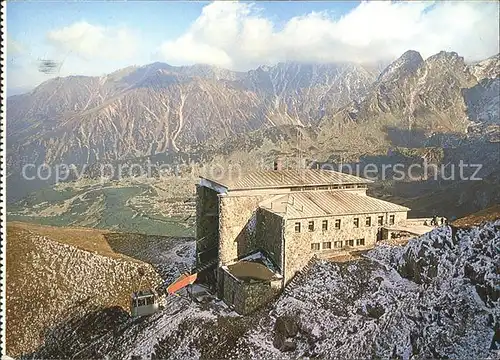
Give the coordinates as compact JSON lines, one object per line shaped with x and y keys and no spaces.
{"x":257,"y":230}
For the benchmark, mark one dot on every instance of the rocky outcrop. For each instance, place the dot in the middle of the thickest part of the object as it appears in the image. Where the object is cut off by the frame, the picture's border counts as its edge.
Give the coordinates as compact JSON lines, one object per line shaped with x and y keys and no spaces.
{"x":285,"y":329}
{"x":486,"y":69}
{"x":463,"y":250}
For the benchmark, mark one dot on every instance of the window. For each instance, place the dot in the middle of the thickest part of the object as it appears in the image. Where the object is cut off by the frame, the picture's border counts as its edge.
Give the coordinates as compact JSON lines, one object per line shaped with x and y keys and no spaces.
{"x":337,"y":224}
{"x":350,"y":243}
{"x":327,"y":245}
{"x":297,"y":227}
{"x":356,"y":222}
{"x":380,"y":220}
{"x":360,"y":242}
{"x":368,"y":221}
{"x":311,"y":225}
{"x":391,"y":219}
{"x":315,"y":246}
{"x":324,"y":225}
{"x":337,"y":244}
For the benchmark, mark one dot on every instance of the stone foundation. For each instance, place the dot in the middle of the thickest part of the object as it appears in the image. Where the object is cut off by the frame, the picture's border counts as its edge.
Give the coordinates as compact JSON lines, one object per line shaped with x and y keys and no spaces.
{"x":247,"y":297}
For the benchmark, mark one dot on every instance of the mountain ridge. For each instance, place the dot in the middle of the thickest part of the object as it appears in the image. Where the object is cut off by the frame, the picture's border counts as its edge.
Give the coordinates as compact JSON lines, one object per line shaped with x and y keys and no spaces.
{"x":143,"y":111}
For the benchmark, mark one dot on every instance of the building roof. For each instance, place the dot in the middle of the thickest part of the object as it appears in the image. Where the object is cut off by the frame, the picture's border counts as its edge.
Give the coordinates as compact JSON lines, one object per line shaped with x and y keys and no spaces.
{"x":309,"y":204}
{"x":249,"y":270}
{"x":256,"y":266}
{"x":265,"y":179}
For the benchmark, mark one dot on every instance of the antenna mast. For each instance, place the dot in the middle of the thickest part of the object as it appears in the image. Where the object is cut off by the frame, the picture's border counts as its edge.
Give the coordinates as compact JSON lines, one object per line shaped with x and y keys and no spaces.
{"x":299,"y":150}
{"x":299,"y":147}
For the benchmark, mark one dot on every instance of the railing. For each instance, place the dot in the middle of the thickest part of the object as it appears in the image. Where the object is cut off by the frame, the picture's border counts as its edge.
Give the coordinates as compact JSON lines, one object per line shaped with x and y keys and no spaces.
{"x":204,"y":266}
{"x":207,"y":255}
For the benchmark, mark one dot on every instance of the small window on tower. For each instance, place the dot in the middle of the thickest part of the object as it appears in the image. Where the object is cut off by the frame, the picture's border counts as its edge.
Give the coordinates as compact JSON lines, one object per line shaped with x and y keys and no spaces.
{"x":368,"y":221}
{"x":311,"y":225}
{"x":337,"y":224}
{"x":297,"y":227}
{"x":391,"y":219}
{"x":356,"y":222}
{"x":380,"y":220}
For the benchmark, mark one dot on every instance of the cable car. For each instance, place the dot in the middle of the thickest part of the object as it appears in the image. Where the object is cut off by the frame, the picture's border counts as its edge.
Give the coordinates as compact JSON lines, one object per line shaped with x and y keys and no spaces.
{"x":144,"y":302}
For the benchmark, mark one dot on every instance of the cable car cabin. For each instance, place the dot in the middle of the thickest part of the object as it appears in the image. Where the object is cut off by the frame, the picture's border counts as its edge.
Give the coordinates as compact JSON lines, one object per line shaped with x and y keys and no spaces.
{"x":144,"y":302}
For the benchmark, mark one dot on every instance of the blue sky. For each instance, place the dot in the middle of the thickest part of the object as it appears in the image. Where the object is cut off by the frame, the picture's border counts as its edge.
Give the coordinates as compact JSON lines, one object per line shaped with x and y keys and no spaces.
{"x":94,"y":38}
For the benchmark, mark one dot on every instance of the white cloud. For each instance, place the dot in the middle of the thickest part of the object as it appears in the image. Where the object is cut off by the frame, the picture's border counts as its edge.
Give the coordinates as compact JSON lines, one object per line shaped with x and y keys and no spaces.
{"x":237,"y":35}
{"x":94,"y":42}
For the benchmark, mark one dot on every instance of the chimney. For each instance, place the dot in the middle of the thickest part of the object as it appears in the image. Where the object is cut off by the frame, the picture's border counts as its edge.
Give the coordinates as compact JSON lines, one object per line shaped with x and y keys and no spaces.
{"x":278,"y":165}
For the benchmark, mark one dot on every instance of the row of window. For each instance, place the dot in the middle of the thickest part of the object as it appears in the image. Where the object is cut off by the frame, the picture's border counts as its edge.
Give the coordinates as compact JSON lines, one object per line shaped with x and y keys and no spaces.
{"x":327,"y":245}
{"x":324,"y":223}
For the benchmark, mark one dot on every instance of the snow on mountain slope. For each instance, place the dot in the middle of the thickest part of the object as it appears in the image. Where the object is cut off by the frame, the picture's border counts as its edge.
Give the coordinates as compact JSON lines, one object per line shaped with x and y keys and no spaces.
{"x":436,"y":297}
{"x":483,"y":102}
{"x":47,"y":281}
{"x":487,"y":69}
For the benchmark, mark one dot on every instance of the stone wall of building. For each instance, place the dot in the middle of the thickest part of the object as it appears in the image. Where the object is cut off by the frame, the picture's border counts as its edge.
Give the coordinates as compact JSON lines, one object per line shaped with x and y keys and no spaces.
{"x":297,"y":251}
{"x":259,"y":294}
{"x":269,"y":235}
{"x":238,"y":219}
{"x":237,"y":226}
{"x":247,"y":297}
{"x":231,"y":293}
{"x":298,"y":248}
{"x":207,"y":220}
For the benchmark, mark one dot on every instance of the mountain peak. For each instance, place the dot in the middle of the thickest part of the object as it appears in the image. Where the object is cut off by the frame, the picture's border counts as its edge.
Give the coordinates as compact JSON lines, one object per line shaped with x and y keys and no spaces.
{"x":446,"y":56}
{"x":411,"y":56}
{"x":403,"y":66}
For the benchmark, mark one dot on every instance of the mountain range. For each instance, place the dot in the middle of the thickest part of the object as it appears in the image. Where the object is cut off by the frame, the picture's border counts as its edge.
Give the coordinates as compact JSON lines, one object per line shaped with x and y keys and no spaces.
{"x":158,"y":108}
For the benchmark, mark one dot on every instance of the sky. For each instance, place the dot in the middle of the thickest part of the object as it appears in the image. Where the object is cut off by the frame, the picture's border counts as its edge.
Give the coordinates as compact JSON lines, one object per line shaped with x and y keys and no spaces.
{"x":98,"y":37}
